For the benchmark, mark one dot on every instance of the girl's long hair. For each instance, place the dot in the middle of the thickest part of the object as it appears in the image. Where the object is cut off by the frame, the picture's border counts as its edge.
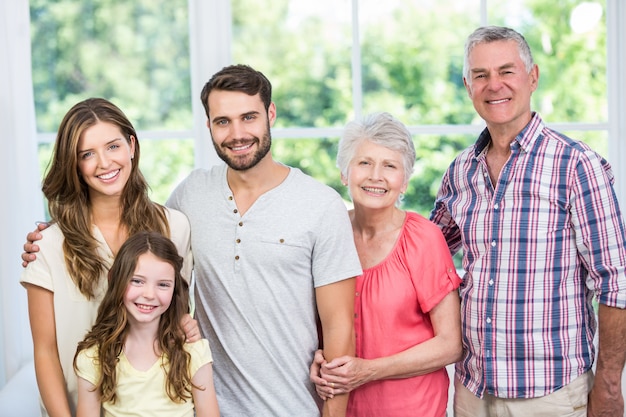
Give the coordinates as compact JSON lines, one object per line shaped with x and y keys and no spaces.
{"x":109,"y":332}
{"x":68,"y":194}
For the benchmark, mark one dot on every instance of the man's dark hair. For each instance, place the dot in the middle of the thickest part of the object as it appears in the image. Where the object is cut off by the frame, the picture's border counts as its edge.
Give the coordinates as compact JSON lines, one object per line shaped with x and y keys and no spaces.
{"x":238,"y":78}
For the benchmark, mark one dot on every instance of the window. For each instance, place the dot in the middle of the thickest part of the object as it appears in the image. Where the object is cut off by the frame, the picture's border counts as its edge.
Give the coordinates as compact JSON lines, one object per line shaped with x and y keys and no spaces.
{"x":329,"y":61}
{"x":134,"y":53}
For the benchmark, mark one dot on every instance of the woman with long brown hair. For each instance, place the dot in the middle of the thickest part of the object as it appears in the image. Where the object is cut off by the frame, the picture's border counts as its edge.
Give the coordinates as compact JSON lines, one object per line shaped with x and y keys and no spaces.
{"x":97,"y":198}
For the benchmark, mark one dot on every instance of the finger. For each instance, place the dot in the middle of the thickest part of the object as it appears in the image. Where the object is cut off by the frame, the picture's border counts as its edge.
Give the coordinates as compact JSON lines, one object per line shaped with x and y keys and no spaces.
{"x":28,"y":257}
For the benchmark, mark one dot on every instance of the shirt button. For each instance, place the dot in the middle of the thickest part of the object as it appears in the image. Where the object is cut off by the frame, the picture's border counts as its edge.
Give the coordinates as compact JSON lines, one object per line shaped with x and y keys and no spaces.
{"x":493,"y":242}
{"x":282,"y":240}
{"x":237,"y":257}
{"x":230,"y":197}
{"x":238,"y":240}
{"x":235,"y":211}
{"x":490,"y":282}
{"x":488,"y":320}
{"x":357,"y":293}
{"x":241,"y":224}
{"x":496,"y":206}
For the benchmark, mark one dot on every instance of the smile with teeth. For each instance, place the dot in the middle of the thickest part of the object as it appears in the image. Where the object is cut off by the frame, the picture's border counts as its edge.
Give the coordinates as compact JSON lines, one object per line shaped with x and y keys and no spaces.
{"x":145,"y":308}
{"x":374,"y":190}
{"x":109,"y":175}
{"x":241,"y":147}
{"x":498,"y":101}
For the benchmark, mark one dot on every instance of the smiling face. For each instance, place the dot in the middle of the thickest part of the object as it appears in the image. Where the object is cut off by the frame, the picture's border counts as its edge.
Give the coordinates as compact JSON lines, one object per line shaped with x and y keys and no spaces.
{"x":240,"y":128}
{"x":375,"y":176}
{"x":499,"y":85}
{"x":150,"y":290}
{"x":105,"y":159}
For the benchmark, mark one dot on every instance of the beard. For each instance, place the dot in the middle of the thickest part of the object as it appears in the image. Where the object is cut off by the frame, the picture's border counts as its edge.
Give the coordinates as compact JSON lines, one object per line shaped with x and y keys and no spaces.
{"x":245,"y":162}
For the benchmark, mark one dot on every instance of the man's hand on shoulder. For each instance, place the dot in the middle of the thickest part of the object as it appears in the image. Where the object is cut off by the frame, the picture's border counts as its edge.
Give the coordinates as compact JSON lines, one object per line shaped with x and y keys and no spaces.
{"x":30,"y":248}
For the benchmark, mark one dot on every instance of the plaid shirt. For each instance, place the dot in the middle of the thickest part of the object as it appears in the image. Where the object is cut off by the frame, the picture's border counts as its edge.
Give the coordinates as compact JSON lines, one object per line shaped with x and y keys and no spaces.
{"x":537,"y":248}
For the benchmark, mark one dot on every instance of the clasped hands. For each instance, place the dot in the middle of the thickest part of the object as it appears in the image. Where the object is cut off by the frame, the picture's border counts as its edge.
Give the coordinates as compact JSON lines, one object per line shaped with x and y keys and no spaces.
{"x":339,"y":376}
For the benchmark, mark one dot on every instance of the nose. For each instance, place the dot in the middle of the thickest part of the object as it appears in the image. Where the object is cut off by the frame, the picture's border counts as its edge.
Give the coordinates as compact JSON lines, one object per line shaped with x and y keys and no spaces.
{"x":375,"y":172}
{"x":236,"y":129}
{"x":494,"y":82}
{"x":103,"y":160}
{"x":148,"y":292}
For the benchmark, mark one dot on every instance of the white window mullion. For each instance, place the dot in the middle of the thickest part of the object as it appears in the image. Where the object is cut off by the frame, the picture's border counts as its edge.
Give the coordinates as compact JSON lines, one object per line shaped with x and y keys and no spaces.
{"x":210,"y":42}
{"x":616,"y":65}
{"x":357,"y":84}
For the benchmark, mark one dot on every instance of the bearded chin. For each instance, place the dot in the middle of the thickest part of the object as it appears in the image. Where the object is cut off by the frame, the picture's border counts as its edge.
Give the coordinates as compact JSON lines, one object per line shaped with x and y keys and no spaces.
{"x":247,"y":162}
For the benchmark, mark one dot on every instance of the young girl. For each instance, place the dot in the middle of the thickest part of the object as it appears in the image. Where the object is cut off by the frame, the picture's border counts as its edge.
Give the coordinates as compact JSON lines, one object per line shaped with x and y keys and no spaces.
{"x":97,"y":198}
{"x":135,"y":358}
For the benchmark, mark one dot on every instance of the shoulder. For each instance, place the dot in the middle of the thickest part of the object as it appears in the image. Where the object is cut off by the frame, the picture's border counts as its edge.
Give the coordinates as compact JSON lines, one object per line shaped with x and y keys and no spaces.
{"x":51,"y":241}
{"x":415,"y":221}
{"x":198,"y":184}
{"x":200,"y":351}
{"x":176,"y":218}
{"x":422,"y":230}
{"x":206,"y":174}
{"x":201,"y":177}
{"x":575,"y":153}
{"x":87,"y":357}
{"x":308,"y":188}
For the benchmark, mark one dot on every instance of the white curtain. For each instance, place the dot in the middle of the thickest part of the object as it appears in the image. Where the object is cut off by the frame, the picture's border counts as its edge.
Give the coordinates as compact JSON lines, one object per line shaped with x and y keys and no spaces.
{"x":22,"y":202}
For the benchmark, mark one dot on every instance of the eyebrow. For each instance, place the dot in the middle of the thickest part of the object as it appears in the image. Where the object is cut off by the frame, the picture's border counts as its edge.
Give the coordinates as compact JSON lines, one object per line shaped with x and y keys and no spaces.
{"x":108,"y":143}
{"x":249,"y":113}
{"x":500,"y":68}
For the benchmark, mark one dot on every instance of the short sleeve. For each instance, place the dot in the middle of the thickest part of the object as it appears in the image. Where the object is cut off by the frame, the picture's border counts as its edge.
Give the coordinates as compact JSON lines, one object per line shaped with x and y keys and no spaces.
{"x":200,"y":352}
{"x":86,"y":365}
{"x":431,"y":266}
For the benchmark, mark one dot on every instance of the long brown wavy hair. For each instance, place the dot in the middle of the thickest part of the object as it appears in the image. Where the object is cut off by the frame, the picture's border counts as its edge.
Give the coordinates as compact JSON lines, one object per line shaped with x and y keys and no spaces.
{"x":68,"y":194}
{"x":111,"y":326}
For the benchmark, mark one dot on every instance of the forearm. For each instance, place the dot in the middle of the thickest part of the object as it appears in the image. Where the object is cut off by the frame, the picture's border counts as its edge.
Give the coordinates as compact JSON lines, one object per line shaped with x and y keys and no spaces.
{"x":335,"y":303}
{"x":338,"y":341}
{"x":442,"y":349}
{"x":421,"y":359}
{"x":51,"y":384}
{"x":611,"y":344}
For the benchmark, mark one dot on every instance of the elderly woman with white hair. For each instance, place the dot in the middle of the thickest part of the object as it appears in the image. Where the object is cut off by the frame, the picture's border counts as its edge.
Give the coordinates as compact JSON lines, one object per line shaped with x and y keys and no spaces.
{"x":407,"y":314}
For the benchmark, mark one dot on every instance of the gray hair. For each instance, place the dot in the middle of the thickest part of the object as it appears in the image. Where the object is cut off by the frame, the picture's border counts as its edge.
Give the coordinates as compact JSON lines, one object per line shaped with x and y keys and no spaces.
{"x":382,"y":129}
{"x":488,"y":34}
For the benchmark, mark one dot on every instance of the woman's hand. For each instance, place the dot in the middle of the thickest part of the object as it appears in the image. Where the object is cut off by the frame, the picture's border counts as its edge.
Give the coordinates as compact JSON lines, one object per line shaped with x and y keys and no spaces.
{"x":341,"y":375}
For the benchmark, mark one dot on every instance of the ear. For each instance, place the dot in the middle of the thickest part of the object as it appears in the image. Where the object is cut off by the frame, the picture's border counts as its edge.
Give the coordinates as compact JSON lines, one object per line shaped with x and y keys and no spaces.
{"x":271,"y":114}
{"x":132,"y":147}
{"x":344,"y":180}
{"x":468,"y":88}
{"x":534,"y":77}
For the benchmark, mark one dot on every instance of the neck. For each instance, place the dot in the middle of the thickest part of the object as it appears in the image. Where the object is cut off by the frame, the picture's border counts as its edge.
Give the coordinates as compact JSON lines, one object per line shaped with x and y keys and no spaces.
{"x":264,"y":176}
{"x":371,"y":222}
{"x":106,"y":211}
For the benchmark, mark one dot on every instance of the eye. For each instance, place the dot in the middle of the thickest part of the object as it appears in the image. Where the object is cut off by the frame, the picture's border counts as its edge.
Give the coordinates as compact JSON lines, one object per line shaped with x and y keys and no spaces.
{"x":221,"y":122}
{"x":249,"y":117}
{"x":85,"y":155}
{"x":136,"y":281}
{"x":165,"y":284}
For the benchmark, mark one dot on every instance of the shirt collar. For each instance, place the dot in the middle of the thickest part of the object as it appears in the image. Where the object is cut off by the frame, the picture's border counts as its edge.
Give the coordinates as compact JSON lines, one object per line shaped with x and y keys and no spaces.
{"x":525,"y":139}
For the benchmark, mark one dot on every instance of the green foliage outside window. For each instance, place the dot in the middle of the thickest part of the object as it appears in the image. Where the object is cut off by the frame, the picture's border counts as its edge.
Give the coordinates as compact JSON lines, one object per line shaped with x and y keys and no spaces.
{"x":136,"y":54}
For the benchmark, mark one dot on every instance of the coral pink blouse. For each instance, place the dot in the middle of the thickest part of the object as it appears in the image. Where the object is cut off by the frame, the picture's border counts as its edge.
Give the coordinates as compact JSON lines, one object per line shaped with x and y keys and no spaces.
{"x":392,"y":303}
